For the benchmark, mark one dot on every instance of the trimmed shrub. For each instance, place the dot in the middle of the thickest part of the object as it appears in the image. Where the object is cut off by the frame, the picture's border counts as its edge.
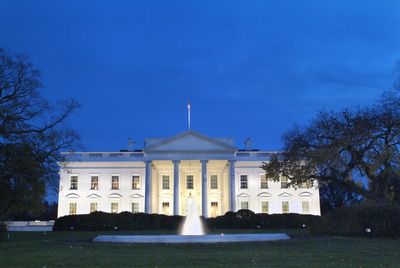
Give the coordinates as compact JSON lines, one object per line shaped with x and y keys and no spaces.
{"x":66,"y":223}
{"x":125,"y":222}
{"x":247,"y":219}
{"x":102,"y":221}
{"x":361,"y":220}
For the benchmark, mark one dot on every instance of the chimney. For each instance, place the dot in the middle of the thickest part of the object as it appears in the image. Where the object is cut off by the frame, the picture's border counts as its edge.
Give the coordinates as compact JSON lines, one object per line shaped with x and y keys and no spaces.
{"x":248,"y":144}
{"x":131,"y":145}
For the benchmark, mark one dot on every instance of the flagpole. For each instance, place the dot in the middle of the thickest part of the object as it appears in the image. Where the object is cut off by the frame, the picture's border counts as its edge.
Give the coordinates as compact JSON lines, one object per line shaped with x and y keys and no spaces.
{"x":188,"y":106}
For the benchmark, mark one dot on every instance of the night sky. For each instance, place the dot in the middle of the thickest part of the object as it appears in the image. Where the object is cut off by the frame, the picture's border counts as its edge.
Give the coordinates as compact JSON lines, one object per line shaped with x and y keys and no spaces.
{"x":251,"y":69}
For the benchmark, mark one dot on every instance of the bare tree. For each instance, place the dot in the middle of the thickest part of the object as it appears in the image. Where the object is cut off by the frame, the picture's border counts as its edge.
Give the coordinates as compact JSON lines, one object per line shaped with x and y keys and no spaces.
{"x":356,"y":148}
{"x":32,"y":134}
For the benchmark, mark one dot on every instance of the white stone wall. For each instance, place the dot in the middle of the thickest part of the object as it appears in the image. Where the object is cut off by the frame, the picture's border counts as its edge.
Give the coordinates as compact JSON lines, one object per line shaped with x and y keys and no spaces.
{"x":125,"y":195}
{"x":104,"y":196}
{"x":197,"y":155}
{"x":274,"y":194}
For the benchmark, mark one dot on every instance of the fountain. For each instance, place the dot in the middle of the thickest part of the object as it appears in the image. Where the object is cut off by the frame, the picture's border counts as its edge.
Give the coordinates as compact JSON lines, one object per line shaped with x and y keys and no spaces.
{"x":192,"y":231}
{"x":192,"y":224}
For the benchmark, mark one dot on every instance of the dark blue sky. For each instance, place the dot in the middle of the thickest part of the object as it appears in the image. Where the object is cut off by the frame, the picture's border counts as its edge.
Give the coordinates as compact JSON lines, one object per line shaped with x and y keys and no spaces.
{"x":249,"y":68}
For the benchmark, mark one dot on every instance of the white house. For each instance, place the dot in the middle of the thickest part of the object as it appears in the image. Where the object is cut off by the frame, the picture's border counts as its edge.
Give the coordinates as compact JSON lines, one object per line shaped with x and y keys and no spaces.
{"x":160,"y":177}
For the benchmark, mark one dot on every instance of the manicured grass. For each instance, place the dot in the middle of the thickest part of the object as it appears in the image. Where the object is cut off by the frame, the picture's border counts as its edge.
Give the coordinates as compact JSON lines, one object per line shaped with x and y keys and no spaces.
{"x":75,"y":249}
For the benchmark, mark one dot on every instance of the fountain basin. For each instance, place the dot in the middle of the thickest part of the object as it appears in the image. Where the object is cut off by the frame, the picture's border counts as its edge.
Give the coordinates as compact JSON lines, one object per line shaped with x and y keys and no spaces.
{"x":228,"y":238}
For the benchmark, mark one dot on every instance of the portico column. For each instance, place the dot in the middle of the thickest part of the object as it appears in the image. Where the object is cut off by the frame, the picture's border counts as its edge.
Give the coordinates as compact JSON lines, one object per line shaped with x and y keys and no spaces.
{"x":204,"y":188}
{"x":176,"y":186}
{"x":147,"y":189}
{"x":232,"y":193}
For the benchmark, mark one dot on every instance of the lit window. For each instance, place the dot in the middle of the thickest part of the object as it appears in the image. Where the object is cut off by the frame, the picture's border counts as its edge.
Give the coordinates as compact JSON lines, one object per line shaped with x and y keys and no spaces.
{"x":165,"y":208}
{"x":284,"y":182}
{"x":165,"y":182}
{"x":214,"y":182}
{"x":264,"y":182}
{"x":135,"y":207}
{"x":285,"y":206}
{"x":214,"y":209}
{"x":306,"y":207}
{"x":93,"y":207}
{"x":244,"y":205}
{"x":74,"y":182}
{"x":115,"y":182}
{"x":114,"y":207}
{"x":72,"y":208}
{"x":189,"y":182}
{"x":243,"y":181}
{"x":264,"y":207}
{"x":135,"y":182}
{"x":95,"y":183}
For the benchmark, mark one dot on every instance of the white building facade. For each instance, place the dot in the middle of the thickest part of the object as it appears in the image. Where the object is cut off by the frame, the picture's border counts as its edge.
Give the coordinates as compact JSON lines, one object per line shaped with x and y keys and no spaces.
{"x":160,"y":177}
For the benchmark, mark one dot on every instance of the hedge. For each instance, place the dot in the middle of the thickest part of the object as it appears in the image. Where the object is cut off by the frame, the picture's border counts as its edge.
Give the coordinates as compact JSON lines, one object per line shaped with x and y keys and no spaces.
{"x":247,"y":219}
{"x":369,"y":220}
{"x":102,"y":221}
{"x":243,"y":219}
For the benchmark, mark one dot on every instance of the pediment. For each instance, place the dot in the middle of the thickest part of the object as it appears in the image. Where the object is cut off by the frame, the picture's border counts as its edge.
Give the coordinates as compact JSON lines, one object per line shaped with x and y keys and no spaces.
{"x":94,"y":196}
{"x":136,"y":196}
{"x":188,"y":141}
{"x":115,"y":195}
{"x":243,"y":195}
{"x":264,"y":194}
{"x":305,"y":194}
{"x":285,"y":194}
{"x":72,"y":196}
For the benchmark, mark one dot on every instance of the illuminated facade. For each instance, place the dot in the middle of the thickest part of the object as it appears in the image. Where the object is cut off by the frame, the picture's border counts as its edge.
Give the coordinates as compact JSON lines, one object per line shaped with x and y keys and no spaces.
{"x":160,"y":177}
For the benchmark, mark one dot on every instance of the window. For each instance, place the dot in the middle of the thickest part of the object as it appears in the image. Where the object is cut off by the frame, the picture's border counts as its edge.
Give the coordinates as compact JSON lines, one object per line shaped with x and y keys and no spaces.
{"x":214,"y":209}
{"x":165,"y":182}
{"x":72,"y":208}
{"x":284,"y":182}
{"x":244,"y":205}
{"x":93,"y":207}
{"x":263,"y":181}
{"x":135,"y":182}
{"x":243,"y":181}
{"x":74,"y":182}
{"x":214,"y":182}
{"x":114,"y":207}
{"x":285,"y":206}
{"x":165,"y":208}
{"x":306,"y":207}
{"x":135,"y":207}
{"x":189,"y":182}
{"x":264,"y":207}
{"x":95,"y":183}
{"x":115,"y":182}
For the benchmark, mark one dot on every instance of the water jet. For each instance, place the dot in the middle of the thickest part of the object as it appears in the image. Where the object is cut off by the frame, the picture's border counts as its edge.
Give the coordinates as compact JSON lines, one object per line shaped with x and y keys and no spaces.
{"x":192,"y":224}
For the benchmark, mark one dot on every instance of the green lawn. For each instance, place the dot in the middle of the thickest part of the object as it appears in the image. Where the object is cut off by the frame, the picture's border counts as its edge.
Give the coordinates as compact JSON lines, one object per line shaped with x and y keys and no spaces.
{"x":75,"y":249}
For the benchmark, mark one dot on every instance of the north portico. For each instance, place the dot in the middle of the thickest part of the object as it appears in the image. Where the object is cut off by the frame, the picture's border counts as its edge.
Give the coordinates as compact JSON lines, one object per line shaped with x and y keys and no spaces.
{"x":161,"y":176}
{"x":188,"y":159}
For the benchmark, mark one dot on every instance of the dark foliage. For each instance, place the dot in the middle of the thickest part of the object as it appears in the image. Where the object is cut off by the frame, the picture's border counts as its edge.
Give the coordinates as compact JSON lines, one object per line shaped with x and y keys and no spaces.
{"x":124,"y":221}
{"x":32,"y":134}
{"x":360,"y":220}
{"x":246,"y":219}
{"x":354,"y":148}
{"x":334,"y":195}
{"x":3,"y":230}
{"x":49,"y":213}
